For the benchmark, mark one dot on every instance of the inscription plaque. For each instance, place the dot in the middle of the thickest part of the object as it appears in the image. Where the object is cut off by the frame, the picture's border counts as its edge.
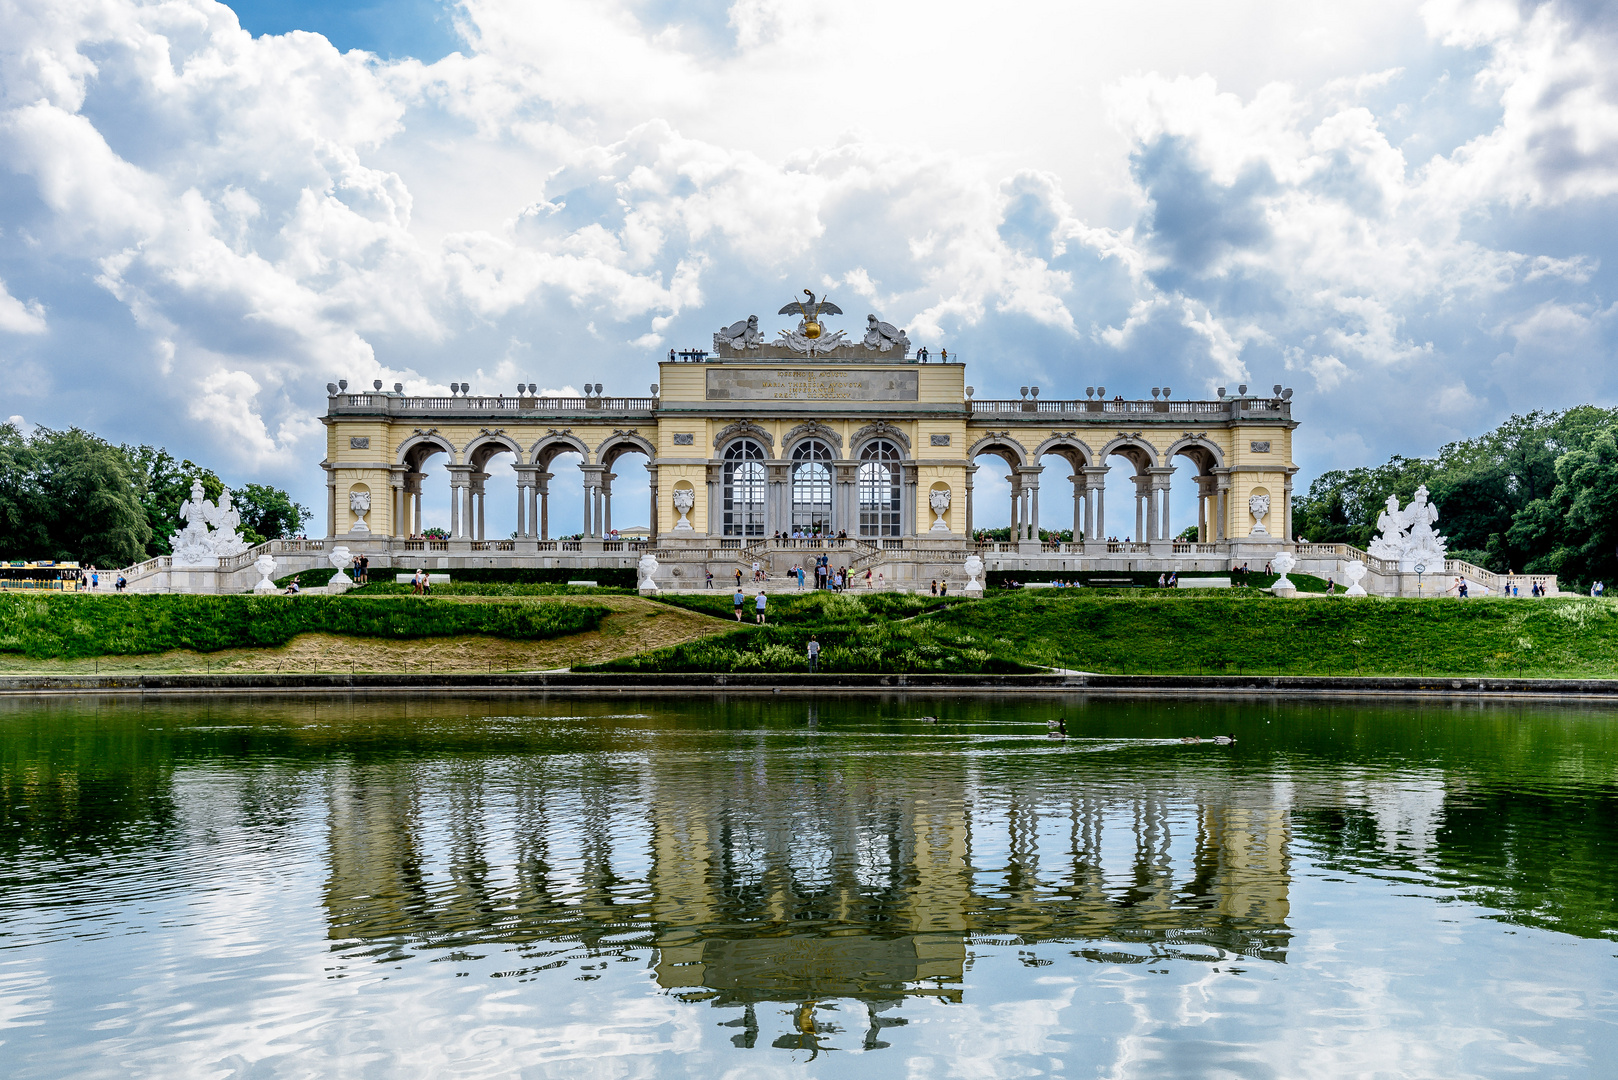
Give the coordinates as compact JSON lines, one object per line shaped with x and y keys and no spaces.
{"x":810,"y":384}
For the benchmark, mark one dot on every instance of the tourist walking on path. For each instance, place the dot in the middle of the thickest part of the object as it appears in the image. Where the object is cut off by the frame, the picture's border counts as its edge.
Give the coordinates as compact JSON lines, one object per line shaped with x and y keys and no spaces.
{"x":738,"y":600}
{"x":814,"y":653}
{"x":707,"y":579}
{"x":758,"y":608}
{"x":95,"y":578}
{"x":738,"y":579}
{"x":800,"y":575}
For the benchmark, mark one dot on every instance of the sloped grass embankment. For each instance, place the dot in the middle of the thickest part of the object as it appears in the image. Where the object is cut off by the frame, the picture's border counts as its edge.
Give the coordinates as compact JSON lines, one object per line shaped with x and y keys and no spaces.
{"x":81,"y":626}
{"x":1164,"y":633}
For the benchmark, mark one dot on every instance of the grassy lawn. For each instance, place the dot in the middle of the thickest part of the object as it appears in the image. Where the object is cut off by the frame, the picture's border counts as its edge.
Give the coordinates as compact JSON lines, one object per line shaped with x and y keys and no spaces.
{"x":1126,"y":632}
{"x":1239,"y":631}
{"x":69,"y":626}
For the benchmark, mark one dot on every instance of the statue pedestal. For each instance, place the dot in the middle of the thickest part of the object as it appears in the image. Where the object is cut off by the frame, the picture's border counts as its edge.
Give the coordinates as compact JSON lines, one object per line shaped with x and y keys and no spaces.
{"x":1289,"y":590}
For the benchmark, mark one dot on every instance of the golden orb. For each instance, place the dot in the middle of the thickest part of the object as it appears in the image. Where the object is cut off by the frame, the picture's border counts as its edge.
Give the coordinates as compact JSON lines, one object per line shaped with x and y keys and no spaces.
{"x":811,"y":330}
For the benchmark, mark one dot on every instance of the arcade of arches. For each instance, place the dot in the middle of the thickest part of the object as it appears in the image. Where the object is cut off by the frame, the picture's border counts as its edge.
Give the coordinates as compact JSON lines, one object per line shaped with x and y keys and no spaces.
{"x":744,"y":449}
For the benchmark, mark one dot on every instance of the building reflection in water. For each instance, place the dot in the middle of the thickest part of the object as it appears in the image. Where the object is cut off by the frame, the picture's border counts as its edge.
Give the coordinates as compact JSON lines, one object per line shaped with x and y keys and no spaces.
{"x":758,"y":876}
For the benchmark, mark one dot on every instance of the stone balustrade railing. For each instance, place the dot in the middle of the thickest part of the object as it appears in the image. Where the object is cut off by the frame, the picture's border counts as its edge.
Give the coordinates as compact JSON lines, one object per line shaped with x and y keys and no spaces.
{"x":1168,"y":410}
{"x":477,"y":404}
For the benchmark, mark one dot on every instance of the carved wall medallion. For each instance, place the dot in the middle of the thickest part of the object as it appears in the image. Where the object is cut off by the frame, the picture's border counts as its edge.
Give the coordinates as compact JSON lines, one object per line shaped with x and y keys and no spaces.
{"x":359,"y":442}
{"x":684,"y":438}
{"x":940,"y":439}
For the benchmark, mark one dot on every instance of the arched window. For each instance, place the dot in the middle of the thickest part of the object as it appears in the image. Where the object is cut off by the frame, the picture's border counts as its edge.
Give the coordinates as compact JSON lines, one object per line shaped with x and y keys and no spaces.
{"x":811,"y":487}
{"x":744,"y":489}
{"x":879,"y":489}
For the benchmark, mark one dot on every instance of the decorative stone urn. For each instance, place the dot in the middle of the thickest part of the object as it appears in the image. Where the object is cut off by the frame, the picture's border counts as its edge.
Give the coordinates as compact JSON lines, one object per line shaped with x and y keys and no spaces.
{"x":974,"y":570}
{"x":1258,"y":506}
{"x":359,"y":503}
{"x":684,"y":500}
{"x":1282,"y":563}
{"x":342,"y":559}
{"x":1354,"y":571}
{"x":647,"y":568}
{"x":939,"y":501}
{"x":265,"y":565}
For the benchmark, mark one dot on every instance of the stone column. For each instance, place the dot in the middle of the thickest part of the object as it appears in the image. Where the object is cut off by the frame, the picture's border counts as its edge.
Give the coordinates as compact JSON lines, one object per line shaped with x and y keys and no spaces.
{"x":1286,"y":512}
{"x":652,"y":522}
{"x":457,"y":500}
{"x":523,"y":479}
{"x":971,"y":470}
{"x":1016,"y":504}
{"x":1207,"y":493}
{"x":845,"y":512}
{"x":331,"y":505}
{"x":1078,"y":505}
{"x":1162,"y":528}
{"x":543,"y":483}
{"x":1141,"y":490}
{"x":1095,"y":515}
{"x":1222,"y":485}
{"x":777,"y":496}
{"x":606,"y":501}
{"x":715,"y":508}
{"x":478,"y":491}
{"x":908,"y":483}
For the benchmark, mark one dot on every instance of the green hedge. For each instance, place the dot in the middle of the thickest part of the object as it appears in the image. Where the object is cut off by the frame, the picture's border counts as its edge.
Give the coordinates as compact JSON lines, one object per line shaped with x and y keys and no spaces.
{"x":394,"y":588}
{"x":608,"y":578}
{"x":76,"y":626}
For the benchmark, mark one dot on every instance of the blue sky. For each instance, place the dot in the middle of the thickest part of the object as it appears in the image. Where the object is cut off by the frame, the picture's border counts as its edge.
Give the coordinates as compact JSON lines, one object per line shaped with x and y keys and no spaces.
{"x":1401,"y":210}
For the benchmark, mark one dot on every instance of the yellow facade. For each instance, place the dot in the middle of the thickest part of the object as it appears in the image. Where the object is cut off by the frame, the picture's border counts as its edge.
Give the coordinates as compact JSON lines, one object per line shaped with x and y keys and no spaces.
{"x":1106,"y":469}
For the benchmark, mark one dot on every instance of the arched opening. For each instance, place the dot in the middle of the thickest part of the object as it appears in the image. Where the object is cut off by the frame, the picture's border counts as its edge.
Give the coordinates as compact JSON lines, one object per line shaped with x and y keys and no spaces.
{"x":1056,"y":522}
{"x":630,"y":487}
{"x":1149,"y":504}
{"x":1203,"y":520}
{"x":880,"y":494}
{"x":554,"y":482}
{"x":411,"y":519}
{"x":987,"y":489}
{"x":811,"y":488}
{"x":743,"y":505}
{"x":480,"y":482}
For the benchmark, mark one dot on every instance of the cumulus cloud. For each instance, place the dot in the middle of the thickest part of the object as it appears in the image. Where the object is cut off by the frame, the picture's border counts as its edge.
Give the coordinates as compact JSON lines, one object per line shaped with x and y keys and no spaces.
{"x":246,"y":218}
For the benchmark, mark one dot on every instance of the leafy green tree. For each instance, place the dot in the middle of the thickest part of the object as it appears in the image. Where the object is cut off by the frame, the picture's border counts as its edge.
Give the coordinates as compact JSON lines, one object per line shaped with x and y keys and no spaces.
{"x":268,"y":513}
{"x":163,"y":484}
{"x":88,"y":499}
{"x":22,"y":526}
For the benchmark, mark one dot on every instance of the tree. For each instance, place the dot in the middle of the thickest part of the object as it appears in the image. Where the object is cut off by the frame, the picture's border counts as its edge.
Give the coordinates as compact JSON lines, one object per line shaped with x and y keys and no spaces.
{"x":268,"y":513}
{"x":87,"y":499}
{"x":163,"y":485}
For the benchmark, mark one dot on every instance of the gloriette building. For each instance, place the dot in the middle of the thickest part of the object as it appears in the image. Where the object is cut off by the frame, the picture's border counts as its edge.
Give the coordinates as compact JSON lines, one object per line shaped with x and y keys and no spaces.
{"x":764,"y":444}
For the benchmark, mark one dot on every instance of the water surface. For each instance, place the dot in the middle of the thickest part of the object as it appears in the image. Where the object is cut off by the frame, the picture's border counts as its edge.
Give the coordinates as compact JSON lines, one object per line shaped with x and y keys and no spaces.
{"x":717,"y":886}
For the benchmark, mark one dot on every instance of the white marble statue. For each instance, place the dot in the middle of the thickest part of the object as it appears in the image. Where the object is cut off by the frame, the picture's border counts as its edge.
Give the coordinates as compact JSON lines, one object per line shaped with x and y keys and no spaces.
{"x":799,"y":340}
{"x":1407,"y":536}
{"x":359,"y":504}
{"x":974,"y":570}
{"x":198,"y":544}
{"x":647,"y":568}
{"x":939,"y":501}
{"x":1282,"y":563}
{"x":1258,"y":506}
{"x":341,"y":558}
{"x":739,"y":336}
{"x":226,"y":520}
{"x":1354,"y":571}
{"x":684,"y":500}
{"x":884,"y":336}
{"x":265,"y":565}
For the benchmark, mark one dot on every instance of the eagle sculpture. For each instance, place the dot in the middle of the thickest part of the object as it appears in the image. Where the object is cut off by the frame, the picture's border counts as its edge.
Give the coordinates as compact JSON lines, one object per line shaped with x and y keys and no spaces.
{"x":811,"y":312}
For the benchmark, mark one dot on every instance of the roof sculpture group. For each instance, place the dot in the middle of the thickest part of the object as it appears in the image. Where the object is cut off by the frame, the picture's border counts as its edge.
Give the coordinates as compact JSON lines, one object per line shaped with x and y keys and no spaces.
{"x":743,"y":338}
{"x":1406,"y":536}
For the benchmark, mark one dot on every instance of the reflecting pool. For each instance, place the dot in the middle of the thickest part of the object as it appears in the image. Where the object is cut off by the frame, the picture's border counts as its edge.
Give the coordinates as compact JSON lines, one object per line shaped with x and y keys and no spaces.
{"x":760,"y":886}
